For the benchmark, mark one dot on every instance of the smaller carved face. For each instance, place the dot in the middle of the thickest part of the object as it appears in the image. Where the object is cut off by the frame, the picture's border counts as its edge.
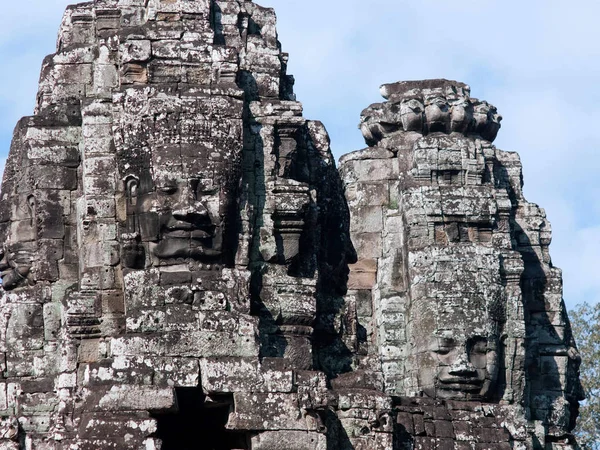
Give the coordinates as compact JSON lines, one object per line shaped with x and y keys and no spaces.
{"x":436,"y":113}
{"x":480,"y":115}
{"x":16,"y":257}
{"x":486,"y":120}
{"x":494,"y":116}
{"x":411,"y":112}
{"x":457,"y":367}
{"x":460,"y":115}
{"x":373,"y":132}
{"x":493,"y":125}
{"x":15,"y":265}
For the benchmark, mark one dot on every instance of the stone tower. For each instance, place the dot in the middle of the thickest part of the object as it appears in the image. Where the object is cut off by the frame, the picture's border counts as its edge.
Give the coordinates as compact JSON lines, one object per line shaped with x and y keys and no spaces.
{"x":168,"y":218}
{"x":454,"y":282}
{"x":176,"y":246}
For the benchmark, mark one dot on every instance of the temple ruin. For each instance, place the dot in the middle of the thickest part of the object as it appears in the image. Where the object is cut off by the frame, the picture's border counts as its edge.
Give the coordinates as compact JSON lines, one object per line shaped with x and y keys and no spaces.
{"x":184,"y":267}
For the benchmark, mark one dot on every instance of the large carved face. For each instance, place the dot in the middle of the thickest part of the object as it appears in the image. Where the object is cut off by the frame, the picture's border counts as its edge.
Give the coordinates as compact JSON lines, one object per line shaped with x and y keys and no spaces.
{"x":180,"y":214}
{"x":179,"y":162}
{"x":456,"y":353}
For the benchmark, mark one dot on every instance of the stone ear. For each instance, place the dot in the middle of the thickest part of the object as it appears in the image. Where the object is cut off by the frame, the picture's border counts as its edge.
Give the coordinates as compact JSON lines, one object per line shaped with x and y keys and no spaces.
{"x":31,"y":205}
{"x":131,"y":189}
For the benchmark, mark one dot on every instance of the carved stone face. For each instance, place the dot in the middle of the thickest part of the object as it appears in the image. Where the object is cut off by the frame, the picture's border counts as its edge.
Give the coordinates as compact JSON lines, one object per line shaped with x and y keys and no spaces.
{"x":493,"y":124}
{"x":461,"y":115}
{"x":486,"y":120}
{"x":179,"y":162}
{"x":456,"y":358}
{"x":411,"y":111}
{"x":457,"y":366}
{"x":15,"y":265}
{"x":436,"y":113}
{"x":18,"y":251}
{"x":180,"y":215}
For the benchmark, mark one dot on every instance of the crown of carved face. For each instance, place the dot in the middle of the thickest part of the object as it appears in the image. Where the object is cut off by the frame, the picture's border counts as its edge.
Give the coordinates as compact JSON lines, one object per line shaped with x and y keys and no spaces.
{"x":426,"y":107}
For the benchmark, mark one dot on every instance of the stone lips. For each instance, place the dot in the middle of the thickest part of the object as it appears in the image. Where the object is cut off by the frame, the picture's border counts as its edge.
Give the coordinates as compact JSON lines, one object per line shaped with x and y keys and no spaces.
{"x":176,"y":251}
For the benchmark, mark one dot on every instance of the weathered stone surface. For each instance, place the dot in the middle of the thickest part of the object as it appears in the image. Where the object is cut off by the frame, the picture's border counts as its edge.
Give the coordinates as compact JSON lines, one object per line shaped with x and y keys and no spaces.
{"x":177,"y":268}
{"x":167,"y":218}
{"x":463,"y":275}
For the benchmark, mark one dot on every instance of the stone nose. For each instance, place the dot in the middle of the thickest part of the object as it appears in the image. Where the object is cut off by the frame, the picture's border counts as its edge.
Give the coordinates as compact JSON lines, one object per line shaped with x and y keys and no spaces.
{"x":191,"y":212}
{"x":463,"y":369}
{"x":462,"y":366}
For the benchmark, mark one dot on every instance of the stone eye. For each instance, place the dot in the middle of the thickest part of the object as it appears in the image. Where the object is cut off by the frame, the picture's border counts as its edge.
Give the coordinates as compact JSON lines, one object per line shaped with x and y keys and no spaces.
{"x":442,"y":350}
{"x":443,"y":346}
{"x":199,"y":189}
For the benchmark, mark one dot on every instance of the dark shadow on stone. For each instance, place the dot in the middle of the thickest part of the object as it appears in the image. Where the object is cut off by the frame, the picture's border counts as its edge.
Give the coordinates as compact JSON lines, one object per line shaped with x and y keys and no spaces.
{"x":254,"y":28}
{"x":232,"y":221}
{"x":247,"y":82}
{"x":331,"y":354}
{"x":272,"y":341}
{"x":337,"y":438}
{"x":402,"y":438}
{"x":199,"y":423}
{"x":542,"y":374}
{"x":292,"y":157}
{"x":217,"y":25}
{"x":335,"y":253}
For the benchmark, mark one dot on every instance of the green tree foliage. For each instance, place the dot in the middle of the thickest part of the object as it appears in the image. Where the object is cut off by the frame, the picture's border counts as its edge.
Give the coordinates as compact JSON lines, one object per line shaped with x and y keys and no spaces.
{"x":585,"y":321}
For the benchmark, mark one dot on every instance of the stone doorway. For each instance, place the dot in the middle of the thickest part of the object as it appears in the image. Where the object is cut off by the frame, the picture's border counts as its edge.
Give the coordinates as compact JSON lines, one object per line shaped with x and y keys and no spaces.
{"x":199,"y":423}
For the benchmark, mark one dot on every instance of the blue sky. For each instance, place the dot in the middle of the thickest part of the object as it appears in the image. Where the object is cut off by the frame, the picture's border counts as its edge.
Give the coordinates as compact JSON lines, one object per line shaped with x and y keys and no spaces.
{"x":538,"y":61}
